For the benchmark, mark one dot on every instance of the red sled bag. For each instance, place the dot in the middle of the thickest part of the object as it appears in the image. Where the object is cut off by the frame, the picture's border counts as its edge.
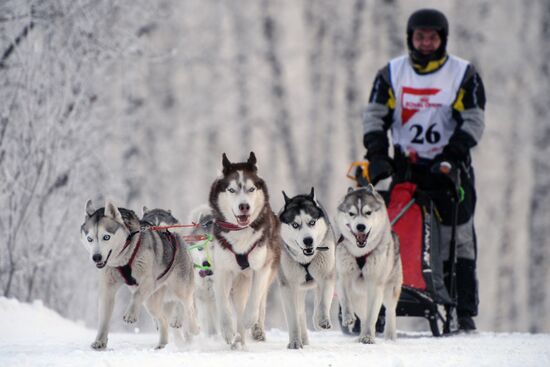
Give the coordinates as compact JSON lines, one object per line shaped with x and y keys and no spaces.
{"x":413,"y":217}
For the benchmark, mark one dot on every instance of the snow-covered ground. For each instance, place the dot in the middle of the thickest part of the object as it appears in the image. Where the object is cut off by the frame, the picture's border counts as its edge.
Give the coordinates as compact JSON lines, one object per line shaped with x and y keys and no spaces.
{"x":32,"y":335}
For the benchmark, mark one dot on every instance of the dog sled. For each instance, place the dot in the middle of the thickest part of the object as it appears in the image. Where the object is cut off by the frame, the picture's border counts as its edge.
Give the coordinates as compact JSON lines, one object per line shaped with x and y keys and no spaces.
{"x":429,"y":285}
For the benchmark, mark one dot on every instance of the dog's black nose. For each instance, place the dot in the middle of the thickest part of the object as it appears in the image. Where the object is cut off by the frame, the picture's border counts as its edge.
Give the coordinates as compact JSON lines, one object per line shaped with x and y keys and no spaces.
{"x":308,"y":241}
{"x":205,"y":263}
{"x":361,"y":227}
{"x":244,"y":207}
{"x":96,"y":258}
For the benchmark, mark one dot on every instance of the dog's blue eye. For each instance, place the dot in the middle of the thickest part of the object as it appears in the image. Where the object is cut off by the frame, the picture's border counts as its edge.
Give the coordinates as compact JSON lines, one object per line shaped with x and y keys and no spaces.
{"x":252,"y":189}
{"x":231,"y":190}
{"x":106,"y":237}
{"x":295,"y":225}
{"x":90,"y":239}
{"x":312,"y":222}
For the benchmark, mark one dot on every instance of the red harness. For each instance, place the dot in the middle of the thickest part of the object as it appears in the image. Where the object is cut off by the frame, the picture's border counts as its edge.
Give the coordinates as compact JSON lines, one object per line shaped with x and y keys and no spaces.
{"x":126,"y":270}
{"x":242,"y":259}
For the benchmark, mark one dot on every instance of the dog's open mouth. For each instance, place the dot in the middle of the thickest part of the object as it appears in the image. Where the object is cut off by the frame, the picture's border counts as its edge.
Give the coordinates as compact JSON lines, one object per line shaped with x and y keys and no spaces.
{"x":101,"y":264}
{"x":361,"y":238}
{"x":205,"y":273}
{"x":242,"y":220}
{"x":308,"y":251}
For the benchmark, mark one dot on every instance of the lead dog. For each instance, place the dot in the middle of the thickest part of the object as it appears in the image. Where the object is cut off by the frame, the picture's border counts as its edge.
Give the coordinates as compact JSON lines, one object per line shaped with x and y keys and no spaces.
{"x":307,"y":262}
{"x":149,"y":263}
{"x":368,"y":263}
{"x":247,"y":249}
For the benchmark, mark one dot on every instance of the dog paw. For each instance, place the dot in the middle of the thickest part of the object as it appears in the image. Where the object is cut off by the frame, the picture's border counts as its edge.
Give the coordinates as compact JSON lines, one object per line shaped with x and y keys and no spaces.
{"x":237,"y":342}
{"x":258,"y":333}
{"x":250,"y":320}
{"x":160,"y":346}
{"x":348,"y":319}
{"x":99,"y":344}
{"x":176,"y":323}
{"x":366,"y":339}
{"x":228,"y":335}
{"x":324,"y":324}
{"x":295,"y":344}
{"x":130,"y":317}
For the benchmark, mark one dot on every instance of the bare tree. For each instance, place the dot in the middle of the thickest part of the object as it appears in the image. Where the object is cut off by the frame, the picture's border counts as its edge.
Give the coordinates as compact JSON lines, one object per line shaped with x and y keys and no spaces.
{"x":539,"y":254}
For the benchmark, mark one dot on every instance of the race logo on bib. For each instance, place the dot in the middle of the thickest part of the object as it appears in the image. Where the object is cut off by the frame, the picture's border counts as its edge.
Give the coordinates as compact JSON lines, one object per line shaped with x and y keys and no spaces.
{"x":414,"y":100}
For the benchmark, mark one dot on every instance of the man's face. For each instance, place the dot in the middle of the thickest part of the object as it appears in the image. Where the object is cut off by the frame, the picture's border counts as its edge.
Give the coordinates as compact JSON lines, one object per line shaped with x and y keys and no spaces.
{"x":426,"y":41}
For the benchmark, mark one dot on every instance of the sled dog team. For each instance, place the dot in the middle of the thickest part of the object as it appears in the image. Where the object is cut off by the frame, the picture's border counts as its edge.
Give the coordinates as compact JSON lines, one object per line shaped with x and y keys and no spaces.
{"x":227,"y":280}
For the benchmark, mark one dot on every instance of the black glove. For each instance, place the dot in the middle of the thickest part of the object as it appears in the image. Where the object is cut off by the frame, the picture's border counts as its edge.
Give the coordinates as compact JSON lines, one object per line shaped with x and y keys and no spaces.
{"x":380,"y":167}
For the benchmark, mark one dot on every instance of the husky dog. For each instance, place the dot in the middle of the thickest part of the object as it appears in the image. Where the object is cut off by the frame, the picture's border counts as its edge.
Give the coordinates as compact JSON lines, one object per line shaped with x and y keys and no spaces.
{"x":247,"y":248}
{"x":162,"y":217}
{"x":150,"y":263}
{"x":307,"y":262}
{"x":201,"y":253}
{"x":368,"y":263}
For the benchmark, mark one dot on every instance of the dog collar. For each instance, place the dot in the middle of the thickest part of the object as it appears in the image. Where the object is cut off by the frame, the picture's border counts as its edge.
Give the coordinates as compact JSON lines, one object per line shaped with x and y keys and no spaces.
{"x":228,"y":226}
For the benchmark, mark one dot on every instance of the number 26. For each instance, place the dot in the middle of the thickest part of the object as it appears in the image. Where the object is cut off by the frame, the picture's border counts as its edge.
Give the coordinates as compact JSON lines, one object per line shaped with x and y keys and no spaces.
{"x":431,"y":135}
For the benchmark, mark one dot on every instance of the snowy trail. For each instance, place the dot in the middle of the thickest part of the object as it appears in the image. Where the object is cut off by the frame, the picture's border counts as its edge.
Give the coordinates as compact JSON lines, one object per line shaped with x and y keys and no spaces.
{"x":32,"y":335}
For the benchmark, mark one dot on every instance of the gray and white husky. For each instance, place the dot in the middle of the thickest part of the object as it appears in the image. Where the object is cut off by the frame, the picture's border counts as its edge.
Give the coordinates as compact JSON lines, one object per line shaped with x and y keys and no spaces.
{"x":185,"y":312}
{"x":247,"y":249}
{"x":307,"y":262}
{"x":368,"y":263}
{"x":151,"y":264}
{"x":203,"y":264}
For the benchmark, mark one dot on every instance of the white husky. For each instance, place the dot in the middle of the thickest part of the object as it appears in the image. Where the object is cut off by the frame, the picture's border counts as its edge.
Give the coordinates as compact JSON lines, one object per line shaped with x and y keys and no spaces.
{"x":247,"y":249}
{"x":307,"y":262}
{"x":368,"y":263}
{"x":152,"y":264}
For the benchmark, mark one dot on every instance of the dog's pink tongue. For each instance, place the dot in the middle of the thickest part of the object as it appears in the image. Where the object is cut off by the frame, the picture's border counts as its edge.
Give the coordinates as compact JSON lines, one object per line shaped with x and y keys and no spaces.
{"x":242,"y":220}
{"x":362,"y":237}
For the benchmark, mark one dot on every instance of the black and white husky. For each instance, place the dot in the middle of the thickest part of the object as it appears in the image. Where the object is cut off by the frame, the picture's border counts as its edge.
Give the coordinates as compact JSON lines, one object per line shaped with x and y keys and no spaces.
{"x":152,"y":264}
{"x":368,"y":264}
{"x":246,"y":251}
{"x":307,"y":262}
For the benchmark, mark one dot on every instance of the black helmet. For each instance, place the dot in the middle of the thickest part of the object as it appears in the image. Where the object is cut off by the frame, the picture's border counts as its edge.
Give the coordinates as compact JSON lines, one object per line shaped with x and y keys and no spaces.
{"x":427,"y":19}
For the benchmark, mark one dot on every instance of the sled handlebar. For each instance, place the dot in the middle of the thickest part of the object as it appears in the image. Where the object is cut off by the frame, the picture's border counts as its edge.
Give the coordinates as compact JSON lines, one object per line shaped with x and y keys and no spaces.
{"x":360,"y":174}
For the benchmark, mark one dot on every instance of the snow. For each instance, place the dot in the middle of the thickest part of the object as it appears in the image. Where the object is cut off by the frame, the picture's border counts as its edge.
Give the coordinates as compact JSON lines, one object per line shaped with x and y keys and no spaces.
{"x":33,"y":335}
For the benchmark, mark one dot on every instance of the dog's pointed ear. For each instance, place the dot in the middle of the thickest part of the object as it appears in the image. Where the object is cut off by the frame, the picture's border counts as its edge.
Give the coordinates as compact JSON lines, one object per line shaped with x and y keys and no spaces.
{"x":112,"y":211}
{"x":226,"y":164}
{"x":90,"y":210}
{"x":144,"y":210}
{"x":350,"y":189}
{"x":287,"y":199}
{"x":370,"y":188}
{"x":252,"y":161}
{"x":312,"y":193}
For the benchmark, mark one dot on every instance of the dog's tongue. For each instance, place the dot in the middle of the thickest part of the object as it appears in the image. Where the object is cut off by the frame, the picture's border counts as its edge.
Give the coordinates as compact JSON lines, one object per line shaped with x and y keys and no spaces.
{"x":362,"y":237}
{"x":242,"y":220}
